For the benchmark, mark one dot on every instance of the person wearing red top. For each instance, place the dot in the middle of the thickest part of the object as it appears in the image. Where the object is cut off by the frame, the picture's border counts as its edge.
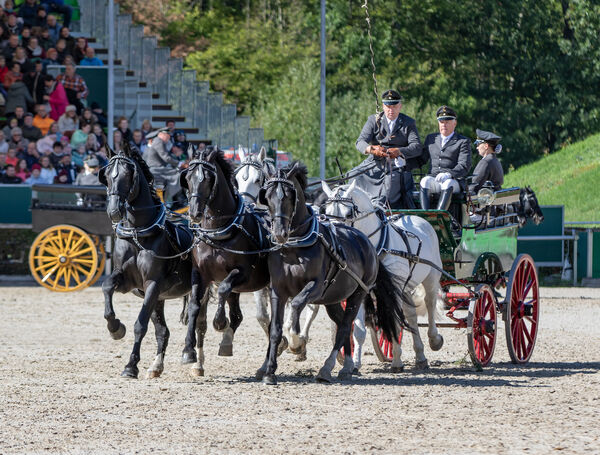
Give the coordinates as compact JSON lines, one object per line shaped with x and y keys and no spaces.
{"x":57,"y":97}
{"x":22,"y":171}
{"x":3,"y":69}
{"x":75,"y":87}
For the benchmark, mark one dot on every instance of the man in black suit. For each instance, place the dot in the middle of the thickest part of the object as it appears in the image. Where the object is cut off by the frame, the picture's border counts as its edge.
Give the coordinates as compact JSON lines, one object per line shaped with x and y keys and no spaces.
{"x":392,"y":141}
{"x":450,"y":160}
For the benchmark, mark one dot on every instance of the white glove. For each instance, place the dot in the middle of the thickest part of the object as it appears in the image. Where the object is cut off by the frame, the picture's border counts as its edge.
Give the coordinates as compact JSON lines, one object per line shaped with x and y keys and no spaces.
{"x":441,"y":178}
{"x":400,"y":162}
{"x":180,"y":164}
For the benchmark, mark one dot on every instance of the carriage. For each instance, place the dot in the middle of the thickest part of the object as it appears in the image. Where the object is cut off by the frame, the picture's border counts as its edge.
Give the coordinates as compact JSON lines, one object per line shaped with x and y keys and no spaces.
{"x":479,"y":260}
{"x":69,"y":252}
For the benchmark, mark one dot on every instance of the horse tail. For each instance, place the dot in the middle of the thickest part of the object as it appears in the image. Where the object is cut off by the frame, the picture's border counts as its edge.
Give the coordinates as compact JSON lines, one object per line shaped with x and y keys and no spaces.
{"x":183,"y":316}
{"x":384,"y":304}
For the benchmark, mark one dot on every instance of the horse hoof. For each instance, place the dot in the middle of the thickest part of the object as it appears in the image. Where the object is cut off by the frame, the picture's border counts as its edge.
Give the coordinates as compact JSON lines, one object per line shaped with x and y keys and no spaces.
{"x":437,"y":343}
{"x":188,"y":357}
{"x":260,"y":373}
{"x":119,"y":333}
{"x":324,"y":377}
{"x":220,"y":324}
{"x":422,"y":365}
{"x":197,"y":371}
{"x":269,"y":379}
{"x":130,"y":373}
{"x":283,"y":345}
{"x":355,"y":372}
{"x":154,"y":374}
{"x":301,"y":357}
{"x":225,"y":350}
{"x":398,"y":369}
{"x":345,"y":376}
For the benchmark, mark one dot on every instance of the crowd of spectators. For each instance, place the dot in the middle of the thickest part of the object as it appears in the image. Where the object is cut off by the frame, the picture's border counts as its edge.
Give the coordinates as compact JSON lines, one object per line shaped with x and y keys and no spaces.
{"x":49,"y":133}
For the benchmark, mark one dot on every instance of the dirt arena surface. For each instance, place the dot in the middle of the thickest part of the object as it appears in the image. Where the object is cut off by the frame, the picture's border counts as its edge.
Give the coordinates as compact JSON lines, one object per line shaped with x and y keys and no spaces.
{"x":60,"y":389}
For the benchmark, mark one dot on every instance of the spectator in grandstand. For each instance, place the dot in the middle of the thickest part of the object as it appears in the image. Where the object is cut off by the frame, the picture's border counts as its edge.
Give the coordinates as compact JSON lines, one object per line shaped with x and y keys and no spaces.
{"x":53,"y":27}
{"x":35,"y":177}
{"x":25,"y":36}
{"x":65,"y":34}
{"x":42,"y":120}
{"x":3,"y":68}
{"x":61,"y":51}
{"x":87,"y":116}
{"x":51,"y":58}
{"x":138,"y":141}
{"x":66,"y":165}
{"x":117,"y":140}
{"x":10,"y":47}
{"x":56,"y":97}
{"x":90,"y":58}
{"x":34,"y":80}
{"x":41,"y":18}
{"x":19,"y":114}
{"x":75,"y":87}
{"x":170,"y":124}
{"x":80,"y":135}
{"x":17,"y":140}
{"x":33,"y":49}
{"x":56,"y":154}
{"x":12,"y":76}
{"x":123,"y":127}
{"x":11,"y":156}
{"x":17,"y":95}
{"x":31,"y":155}
{"x":99,"y":134}
{"x":12,"y":123}
{"x":79,"y":49}
{"x":99,"y":113}
{"x":10,"y":176}
{"x":30,"y":132}
{"x":62,"y":177}
{"x":2,"y":161}
{"x":91,"y":144}
{"x":20,"y":57}
{"x":78,"y":155}
{"x":180,"y":141}
{"x":13,"y":25}
{"x":45,"y":39}
{"x":22,"y":170}
{"x":48,"y":172}
{"x":146,"y":127}
{"x":3,"y":143}
{"x":44,"y":145}
{"x":58,"y":6}
{"x":28,"y":11}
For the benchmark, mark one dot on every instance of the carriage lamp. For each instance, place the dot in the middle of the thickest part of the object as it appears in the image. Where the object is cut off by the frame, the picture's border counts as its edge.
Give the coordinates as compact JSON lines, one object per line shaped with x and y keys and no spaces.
{"x":486,"y":196}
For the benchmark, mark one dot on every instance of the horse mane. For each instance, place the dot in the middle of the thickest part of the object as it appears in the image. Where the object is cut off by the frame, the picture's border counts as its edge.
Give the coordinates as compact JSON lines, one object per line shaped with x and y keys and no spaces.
{"x":301,"y":174}
{"x":135,"y":155}
{"x":220,"y":161}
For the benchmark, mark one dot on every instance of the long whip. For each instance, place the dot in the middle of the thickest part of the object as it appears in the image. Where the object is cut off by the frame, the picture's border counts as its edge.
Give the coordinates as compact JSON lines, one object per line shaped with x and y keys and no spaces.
{"x":368,"y":19}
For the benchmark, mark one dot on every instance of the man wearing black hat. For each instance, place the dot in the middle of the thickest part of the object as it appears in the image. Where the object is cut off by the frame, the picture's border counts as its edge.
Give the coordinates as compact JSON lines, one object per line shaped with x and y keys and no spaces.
{"x":450,"y":155}
{"x":162,"y":165}
{"x":489,"y":168}
{"x":392,"y":141}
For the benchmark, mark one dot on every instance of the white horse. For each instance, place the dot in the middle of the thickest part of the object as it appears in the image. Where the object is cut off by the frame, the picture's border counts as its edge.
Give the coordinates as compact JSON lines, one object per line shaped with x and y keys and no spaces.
{"x":250,"y":176}
{"x":353,"y":205}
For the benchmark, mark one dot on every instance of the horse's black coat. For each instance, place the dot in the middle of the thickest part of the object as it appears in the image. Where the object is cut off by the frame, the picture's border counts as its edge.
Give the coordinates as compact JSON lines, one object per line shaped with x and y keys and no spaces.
{"x":134,"y":205}
{"x":213,"y":205}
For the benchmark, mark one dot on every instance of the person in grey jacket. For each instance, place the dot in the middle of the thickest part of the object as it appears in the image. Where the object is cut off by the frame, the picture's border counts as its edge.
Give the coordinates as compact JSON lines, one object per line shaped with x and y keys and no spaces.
{"x":392,"y":141}
{"x":163,"y":166}
{"x":489,"y":168}
{"x":18,"y":95}
{"x":449,"y":156}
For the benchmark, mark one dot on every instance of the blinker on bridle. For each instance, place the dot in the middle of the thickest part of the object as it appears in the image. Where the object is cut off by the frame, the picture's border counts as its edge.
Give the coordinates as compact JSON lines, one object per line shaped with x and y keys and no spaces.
{"x":280,"y":194}
{"x":135,"y":186}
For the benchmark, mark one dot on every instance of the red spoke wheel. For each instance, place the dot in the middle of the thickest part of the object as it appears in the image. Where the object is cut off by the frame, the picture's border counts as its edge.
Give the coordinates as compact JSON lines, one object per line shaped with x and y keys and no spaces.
{"x":482,"y":326}
{"x":382,"y":346}
{"x":522,"y":309}
{"x":341,"y":355}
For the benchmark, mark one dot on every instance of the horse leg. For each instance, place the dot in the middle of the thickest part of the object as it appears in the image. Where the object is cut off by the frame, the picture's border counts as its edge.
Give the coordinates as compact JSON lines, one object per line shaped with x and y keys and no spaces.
{"x":201,"y":326}
{"x":233,"y":279}
{"x":410,"y":312}
{"x":115,"y":327}
{"x":311,"y":292}
{"x":359,"y":333}
{"x":194,"y":305}
{"x":235,"y":314}
{"x":311,"y":314}
{"x":161,"y":332}
{"x":432,"y":287}
{"x":151,"y":293}
{"x":262,"y":315}
{"x":276,"y":332}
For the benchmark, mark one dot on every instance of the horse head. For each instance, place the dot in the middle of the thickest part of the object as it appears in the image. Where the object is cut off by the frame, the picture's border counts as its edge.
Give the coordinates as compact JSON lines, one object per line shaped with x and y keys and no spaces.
{"x":283,"y":194}
{"x":346,"y":203}
{"x":530,"y":208}
{"x":122,"y":180}
{"x":207,"y":170}
{"x":252,"y":173}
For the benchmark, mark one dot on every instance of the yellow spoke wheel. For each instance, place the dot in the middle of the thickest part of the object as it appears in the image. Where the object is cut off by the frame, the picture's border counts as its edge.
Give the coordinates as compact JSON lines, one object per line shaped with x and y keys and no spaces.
{"x":64,"y":258}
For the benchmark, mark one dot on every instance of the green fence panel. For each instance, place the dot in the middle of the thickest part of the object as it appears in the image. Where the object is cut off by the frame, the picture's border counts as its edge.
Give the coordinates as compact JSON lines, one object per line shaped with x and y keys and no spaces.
{"x":582,"y":255}
{"x":544,"y":250}
{"x":16,"y":200}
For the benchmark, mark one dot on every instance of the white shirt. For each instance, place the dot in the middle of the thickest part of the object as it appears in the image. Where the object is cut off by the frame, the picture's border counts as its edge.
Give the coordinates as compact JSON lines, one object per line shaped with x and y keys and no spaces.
{"x":391,"y":124}
{"x":445,"y":139}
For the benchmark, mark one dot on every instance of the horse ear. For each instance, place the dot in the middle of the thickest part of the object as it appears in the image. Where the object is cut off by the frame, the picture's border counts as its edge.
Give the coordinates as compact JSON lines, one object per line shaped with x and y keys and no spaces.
{"x":102,"y":176}
{"x":212,"y":155}
{"x":262,"y":196}
{"x":326,"y":188}
{"x":109,"y":152}
{"x":190,"y":150}
{"x":183,"y":179}
{"x":241,"y":153}
{"x":352,"y":187}
{"x":293,"y":171}
{"x":262,"y":154}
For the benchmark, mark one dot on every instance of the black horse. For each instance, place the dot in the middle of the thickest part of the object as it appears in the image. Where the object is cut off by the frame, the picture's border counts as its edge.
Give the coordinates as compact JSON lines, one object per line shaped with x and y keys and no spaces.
{"x":528,"y":207}
{"x":225,"y":228}
{"x":322,"y":264}
{"x":147,"y":256}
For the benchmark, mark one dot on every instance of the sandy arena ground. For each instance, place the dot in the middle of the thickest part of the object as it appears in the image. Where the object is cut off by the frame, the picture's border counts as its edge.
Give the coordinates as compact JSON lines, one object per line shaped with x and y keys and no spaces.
{"x":61,"y":391}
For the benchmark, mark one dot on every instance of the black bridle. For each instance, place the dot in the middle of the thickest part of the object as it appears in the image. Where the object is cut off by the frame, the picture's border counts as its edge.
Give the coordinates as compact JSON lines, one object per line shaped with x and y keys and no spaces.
{"x":203,"y":165}
{"x":135,"y":187}
{"x":249,"y":161}
{"x":277,"y":181}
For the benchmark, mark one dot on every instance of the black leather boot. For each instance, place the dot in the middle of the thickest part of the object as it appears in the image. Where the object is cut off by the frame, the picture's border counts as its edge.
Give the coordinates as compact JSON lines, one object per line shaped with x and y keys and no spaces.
{"x":445,"y":199}
{"x":424,"y":194}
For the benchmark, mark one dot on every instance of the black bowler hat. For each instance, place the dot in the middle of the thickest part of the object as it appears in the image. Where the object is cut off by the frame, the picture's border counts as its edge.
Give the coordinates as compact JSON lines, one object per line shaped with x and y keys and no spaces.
{"x":487,"y":136}
{"x":446,"y":113}
{"x":391,"y":97}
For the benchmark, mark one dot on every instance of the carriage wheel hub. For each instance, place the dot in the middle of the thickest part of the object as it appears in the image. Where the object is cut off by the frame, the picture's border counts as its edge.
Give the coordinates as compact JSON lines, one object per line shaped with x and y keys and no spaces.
{"x":63,"y":259}
{"x":486,"y":326}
